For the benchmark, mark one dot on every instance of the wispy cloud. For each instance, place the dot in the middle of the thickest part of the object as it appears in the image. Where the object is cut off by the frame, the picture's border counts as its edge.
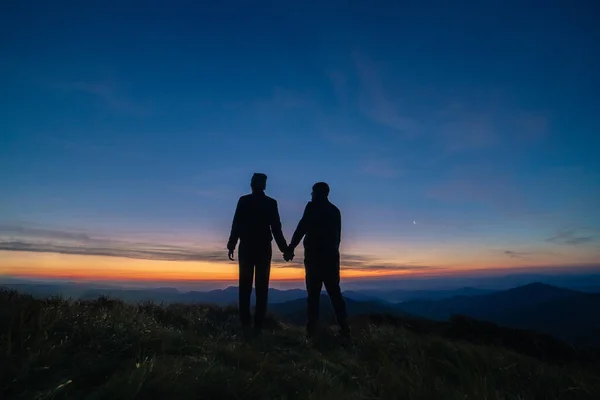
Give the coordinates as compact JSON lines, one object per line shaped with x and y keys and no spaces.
{"x":120,"y":249}
{"x":20,"y":238}
{"x":474,"y":122}
{"x":571,"y":237}
{"x":515,"y":254}
{"x":368,"y":263}
{"x":459,"y":128}
{"x":15,"y":238}
{"x":529,"y":254}
{"x":376,"y":103}
{"x":453,"y":128}
{"x":108,"y":93}
{"x":16,"y":230}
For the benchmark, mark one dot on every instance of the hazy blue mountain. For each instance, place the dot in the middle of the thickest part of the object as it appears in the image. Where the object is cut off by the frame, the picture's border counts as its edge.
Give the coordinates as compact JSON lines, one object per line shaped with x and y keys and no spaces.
{"x":225,"y":296}
{"x":497,"y":307}
{"x":563,"y":313}
{"x":401,"y":295}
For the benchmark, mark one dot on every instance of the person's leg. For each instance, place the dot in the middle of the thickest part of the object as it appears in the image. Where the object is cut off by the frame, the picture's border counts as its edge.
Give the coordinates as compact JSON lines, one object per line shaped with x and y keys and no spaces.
{"x":263,"y":272}
{"x":246,"y":275}
{"x":331,"y":279}
{"x":313,"y":290}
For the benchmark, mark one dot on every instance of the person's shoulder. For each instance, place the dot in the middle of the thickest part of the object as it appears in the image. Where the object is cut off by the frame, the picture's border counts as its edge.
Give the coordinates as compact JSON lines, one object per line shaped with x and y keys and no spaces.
{"x":270,"y":200}
{"x":244,"y":198}
{"x":334,"y":208}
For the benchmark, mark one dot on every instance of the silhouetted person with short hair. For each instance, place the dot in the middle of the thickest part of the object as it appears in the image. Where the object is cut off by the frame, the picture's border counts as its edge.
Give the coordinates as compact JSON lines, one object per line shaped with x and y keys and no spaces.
{"x":321,"y":225}
{"x":255,"y":223}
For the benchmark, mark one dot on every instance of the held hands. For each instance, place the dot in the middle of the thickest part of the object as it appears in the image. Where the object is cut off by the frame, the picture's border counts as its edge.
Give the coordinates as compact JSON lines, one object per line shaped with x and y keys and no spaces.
{"x":288,"y":254}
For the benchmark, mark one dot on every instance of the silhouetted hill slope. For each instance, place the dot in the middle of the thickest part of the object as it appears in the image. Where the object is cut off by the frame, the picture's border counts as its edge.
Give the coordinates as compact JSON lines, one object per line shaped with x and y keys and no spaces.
{"x":401,"y":295}
{"x":497,"y":306}
{"x":575,"y":319}
{"x":106,"y":349}
{"x":564,"y":313}
{"x":360,"y":296}
{"x":295,"y":311}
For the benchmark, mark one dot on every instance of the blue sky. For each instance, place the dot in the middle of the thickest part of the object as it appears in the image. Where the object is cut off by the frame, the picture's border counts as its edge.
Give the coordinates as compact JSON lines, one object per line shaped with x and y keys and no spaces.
{"x":476,"y":120}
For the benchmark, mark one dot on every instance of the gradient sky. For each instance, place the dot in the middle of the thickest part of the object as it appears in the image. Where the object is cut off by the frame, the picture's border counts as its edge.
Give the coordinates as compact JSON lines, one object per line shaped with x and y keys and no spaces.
{"x":454,"y":135}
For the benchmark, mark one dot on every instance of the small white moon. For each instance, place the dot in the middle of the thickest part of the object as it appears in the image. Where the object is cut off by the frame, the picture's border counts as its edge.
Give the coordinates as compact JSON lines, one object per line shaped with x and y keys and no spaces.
{"x":414,"y":222}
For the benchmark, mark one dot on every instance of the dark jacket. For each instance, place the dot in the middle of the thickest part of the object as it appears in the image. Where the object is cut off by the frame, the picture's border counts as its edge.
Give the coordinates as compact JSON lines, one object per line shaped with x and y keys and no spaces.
{"x":256,"y":222}
{"x":321,"y":224}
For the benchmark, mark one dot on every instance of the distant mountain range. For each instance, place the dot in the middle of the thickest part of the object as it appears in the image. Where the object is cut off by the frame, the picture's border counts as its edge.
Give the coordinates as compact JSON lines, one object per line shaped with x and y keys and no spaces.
{"x":79,"y":291}
{"x":396,"y":296}
{"x":220,"y":296}
{"x":567,"y":314}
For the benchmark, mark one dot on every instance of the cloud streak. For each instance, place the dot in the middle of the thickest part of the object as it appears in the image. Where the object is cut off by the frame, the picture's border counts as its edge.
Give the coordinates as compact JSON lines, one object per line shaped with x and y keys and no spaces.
{"x":17,"y":238}
{"x":515,"y":254}
{"x":42,"y":233}
{"x":454,"y":125}
{"x":376,"y":104}
{"x":107,"y":93}
{"x":20,"y":238}
{"x":158,"y":253}
{"x":570,"y":237}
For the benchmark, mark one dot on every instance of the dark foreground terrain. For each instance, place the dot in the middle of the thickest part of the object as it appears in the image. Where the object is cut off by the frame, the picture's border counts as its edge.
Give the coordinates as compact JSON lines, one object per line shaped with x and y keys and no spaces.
{"x":105,"y":349}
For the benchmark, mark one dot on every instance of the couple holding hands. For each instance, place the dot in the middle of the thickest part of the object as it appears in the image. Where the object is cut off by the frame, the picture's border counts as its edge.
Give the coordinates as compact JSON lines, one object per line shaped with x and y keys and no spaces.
{"x":256,"y":222}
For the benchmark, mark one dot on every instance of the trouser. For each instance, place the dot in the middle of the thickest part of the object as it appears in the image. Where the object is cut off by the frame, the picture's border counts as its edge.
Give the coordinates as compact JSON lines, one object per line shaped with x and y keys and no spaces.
{"x":254,"y":264}
{"x":323,"y":268}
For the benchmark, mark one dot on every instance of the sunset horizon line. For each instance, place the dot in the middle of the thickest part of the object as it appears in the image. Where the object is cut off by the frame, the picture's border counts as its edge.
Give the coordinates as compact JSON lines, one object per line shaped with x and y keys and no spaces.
{"x":231,"y":277}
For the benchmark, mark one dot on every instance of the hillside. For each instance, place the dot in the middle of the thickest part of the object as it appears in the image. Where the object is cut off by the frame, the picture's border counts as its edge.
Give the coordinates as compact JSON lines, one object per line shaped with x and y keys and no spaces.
{"x":294,"y":311}
{"x":399,"y":295}
{"x":564,"y":313}
{"x":105,"y":349}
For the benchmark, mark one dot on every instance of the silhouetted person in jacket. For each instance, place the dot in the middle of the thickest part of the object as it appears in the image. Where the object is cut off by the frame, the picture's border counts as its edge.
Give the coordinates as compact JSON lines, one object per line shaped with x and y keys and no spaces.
{"x":321,"y":225}
{"x":255,"y":223}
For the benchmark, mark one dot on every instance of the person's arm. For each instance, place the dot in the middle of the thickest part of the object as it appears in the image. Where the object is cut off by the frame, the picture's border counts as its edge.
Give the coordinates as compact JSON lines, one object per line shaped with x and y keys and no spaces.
{"x":235,"y":227}
{"x":302,"y":227}
{"x":276,"y":229}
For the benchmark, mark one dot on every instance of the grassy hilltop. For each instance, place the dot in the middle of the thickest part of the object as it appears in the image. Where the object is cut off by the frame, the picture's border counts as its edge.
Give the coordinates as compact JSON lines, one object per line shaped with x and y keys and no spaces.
{"x":105,"y":349}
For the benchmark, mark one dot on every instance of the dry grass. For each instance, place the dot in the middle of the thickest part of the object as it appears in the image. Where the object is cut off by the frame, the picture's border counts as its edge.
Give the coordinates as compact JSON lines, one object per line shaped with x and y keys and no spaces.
{"x":104,"y":349}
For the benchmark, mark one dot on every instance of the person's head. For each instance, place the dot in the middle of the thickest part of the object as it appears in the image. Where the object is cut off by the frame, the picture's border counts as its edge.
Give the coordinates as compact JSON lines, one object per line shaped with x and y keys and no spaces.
{"x":320,"y":191}
{"x":258,"y":182}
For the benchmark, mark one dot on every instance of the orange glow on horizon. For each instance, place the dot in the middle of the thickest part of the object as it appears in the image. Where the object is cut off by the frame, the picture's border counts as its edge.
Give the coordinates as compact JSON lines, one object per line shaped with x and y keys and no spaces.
{"x":105,"y":268}
{"x":80,"y":267}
